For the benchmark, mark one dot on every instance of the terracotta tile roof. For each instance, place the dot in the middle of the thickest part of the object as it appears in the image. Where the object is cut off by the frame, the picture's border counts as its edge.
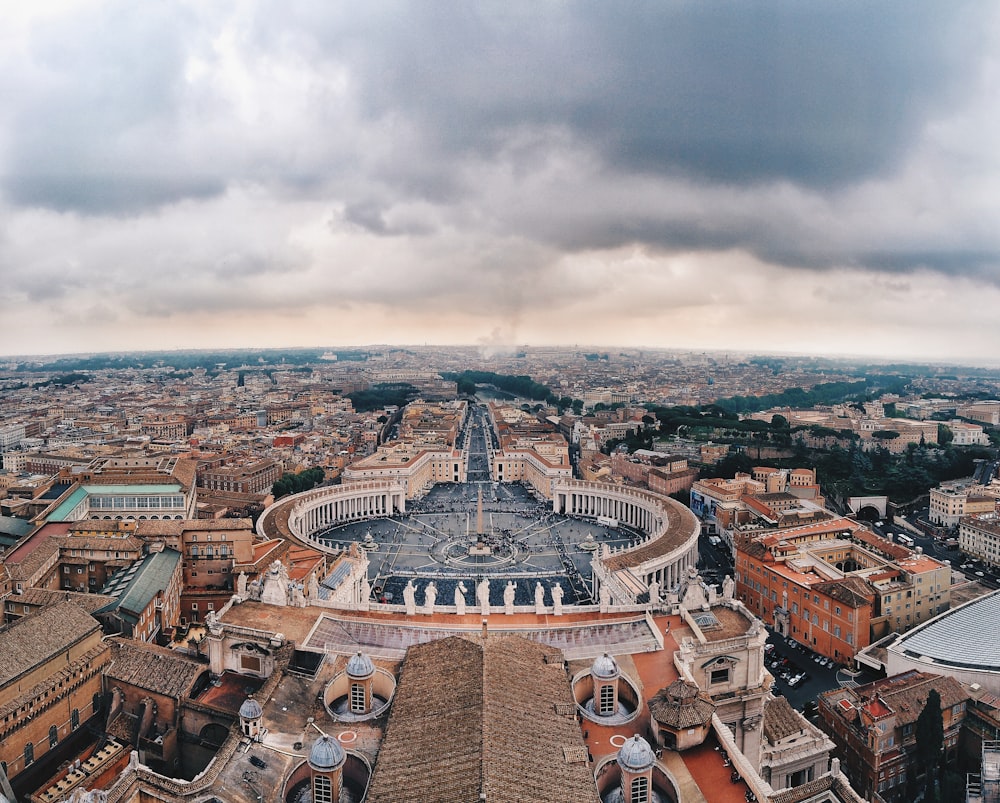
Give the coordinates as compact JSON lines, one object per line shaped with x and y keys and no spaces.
{"x":838,"y":787}
{"x":156,"y":669}
{"x":33,"y":639}
{"x":148,"y":527}
{"x":44,"y":597}
{"x":780,"y":720}
{"x":681,"y":705}
{"x":681,"y":524}
{"x":852,"y":591}
{"x":472,"y":717}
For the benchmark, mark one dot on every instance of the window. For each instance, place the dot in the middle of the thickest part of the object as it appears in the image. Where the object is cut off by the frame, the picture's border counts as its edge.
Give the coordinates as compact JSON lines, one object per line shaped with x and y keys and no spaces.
{"x":719,"y":675}
{"x":640,"y":789}
{"x":29,"y":754}
{"x":322,"y":789}
{"x":606,"y":703}
{"x":74,"y":719}
{"x":65,"y":569}
{"x":53,"y":736}
{"x":358,"y":698}
{"x":194,"y":606}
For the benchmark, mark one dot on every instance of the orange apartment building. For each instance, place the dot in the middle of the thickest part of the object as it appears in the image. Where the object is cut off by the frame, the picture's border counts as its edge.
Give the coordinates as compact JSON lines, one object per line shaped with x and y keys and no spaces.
{"x":835,"y":587}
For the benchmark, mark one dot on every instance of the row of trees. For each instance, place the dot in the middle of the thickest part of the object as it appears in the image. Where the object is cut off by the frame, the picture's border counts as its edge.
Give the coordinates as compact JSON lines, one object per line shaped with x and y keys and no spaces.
{"x":389,"y":394}
{"x":296,"y":483}
{"x":522,"y":386}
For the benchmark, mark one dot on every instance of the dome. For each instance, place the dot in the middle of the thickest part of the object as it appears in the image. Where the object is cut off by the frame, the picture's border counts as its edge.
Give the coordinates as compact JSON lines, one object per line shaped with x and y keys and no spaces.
{"x":250,"y":709}
{"x":326,"y":754}
{"x":360,"y":666}
{"x":636,"y":755}
{"x":605,"y":668}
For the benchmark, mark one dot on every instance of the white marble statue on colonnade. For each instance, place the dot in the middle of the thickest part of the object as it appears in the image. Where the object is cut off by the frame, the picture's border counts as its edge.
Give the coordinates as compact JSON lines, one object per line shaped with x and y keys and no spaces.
{"x":241,"y":585}
{"x":508,"y":598}
{"x":539,"y":598}
{"x":654,"y":595}
{"x":275,"y":589}
{"x":557,"y":597}
{"x":604,"y":597}
{"x":460,"y":590}
{"x":410,"y":598}
{"x":430,"y":596}
{"x":483,"y":595}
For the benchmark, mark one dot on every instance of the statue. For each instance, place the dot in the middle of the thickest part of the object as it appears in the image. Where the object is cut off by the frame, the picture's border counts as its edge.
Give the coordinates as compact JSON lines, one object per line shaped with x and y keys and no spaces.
{"x":430,"y":595}
{"x":255,"y":590}
{"x":483,"y":595}
{"x":557,"y":596}
{"x":410,"y":598}
{"x":313,"y":586}
{"x":539,"y":598}
{"x":605,"y":597}
{"x":460,"y":590}
{"x":241,"y":585}
{"x":728,"y":587}
{"x":654,"y":594}
{"x":508,"y":597}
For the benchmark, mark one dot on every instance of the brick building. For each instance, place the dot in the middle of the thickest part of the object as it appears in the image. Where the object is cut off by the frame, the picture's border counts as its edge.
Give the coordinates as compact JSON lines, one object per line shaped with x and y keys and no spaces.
{"x":50,"y":685}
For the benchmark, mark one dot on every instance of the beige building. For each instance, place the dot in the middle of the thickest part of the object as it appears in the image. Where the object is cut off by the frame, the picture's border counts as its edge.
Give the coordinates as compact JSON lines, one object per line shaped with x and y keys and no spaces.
{"x":38,"y":707}
{"x":979,"y":536}
{"x":950,"y":501}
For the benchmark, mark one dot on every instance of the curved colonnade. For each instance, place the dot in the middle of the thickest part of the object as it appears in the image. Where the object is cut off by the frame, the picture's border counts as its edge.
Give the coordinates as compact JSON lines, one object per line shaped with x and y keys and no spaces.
{"x":662,"y":557}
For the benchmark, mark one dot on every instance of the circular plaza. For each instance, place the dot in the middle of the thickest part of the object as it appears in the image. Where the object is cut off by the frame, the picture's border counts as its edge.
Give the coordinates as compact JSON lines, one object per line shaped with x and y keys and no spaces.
{"x":590,"y":543}
{"x":449,"y":538}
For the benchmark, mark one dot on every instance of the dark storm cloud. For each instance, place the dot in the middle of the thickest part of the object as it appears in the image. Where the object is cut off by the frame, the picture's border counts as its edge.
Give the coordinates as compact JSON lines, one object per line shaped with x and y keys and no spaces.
{"x":819,"y":94}
{"x":538,"y":128}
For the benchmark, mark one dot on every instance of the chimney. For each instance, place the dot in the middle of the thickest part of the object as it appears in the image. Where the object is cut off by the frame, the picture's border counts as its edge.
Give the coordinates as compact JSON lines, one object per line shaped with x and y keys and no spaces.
{"x":485,"y":627}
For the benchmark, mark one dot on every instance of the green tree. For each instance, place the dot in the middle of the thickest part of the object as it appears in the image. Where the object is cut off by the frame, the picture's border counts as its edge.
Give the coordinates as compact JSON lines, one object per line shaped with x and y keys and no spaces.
{"x":930,"y":741}
{"x":578,"y":406}
{"x":945,"y":435}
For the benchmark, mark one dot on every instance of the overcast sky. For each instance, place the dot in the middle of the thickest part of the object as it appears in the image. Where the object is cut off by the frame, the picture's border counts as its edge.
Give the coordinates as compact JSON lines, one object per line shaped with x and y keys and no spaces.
{"x":782,"y":176}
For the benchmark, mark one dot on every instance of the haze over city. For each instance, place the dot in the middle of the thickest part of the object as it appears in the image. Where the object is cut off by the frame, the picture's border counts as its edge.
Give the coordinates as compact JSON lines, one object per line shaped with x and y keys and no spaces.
{"x":775,"y":177}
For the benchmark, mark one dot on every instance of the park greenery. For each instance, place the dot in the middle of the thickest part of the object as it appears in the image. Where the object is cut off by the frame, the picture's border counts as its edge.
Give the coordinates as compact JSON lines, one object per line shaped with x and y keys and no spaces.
{"x":387,"y":394}
{"x":512,"y":386}
{"x":296,"y":483}
{"x":843,"y":466}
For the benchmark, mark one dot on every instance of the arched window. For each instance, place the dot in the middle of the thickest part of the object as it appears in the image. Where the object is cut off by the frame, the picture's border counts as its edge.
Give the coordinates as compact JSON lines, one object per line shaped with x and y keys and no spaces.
{"x":29,"y":754}
{"x":53,"y":736}
{"x":640,"y":790}
{"x":322,"y":790}
{"x":74,"y":719}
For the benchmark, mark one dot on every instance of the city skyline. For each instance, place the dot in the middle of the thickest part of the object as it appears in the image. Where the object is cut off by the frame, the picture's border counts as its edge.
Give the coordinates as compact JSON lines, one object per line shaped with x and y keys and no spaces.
{"x":814,"y":179}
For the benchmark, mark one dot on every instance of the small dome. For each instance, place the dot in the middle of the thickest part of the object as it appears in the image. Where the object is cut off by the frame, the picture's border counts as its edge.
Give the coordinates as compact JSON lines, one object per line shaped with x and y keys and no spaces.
{"x":636,"y":755}
{"x":250,"y":709}
{"x":326,"y":755}
{"x":605,"y":668}
{"x":360,"y":666}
